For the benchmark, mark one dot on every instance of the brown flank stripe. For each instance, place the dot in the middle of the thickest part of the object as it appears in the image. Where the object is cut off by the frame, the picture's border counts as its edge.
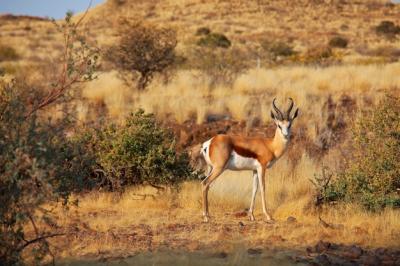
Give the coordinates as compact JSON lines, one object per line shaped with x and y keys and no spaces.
{"x":244,"y":152}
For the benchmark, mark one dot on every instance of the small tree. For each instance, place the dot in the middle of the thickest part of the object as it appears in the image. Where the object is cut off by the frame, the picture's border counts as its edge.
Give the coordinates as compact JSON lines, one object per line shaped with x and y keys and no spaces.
{"x":37,"y":163}
{"x":372,"y":175}
{"x":144,"y":49}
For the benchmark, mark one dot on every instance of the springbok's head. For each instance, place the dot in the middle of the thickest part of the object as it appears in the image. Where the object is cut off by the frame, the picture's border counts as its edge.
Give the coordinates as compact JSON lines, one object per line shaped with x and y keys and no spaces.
{"x":284,"y":120}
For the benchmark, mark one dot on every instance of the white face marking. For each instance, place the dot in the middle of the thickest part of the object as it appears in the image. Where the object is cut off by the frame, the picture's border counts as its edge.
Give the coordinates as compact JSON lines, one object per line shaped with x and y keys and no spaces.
{"x":284,"y":127}
{"x":238,"y":162}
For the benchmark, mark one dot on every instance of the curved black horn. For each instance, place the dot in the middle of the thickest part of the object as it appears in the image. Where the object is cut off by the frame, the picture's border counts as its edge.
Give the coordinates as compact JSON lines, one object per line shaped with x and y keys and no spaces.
{"x":289,"y":109}
{"x":278,"y":112}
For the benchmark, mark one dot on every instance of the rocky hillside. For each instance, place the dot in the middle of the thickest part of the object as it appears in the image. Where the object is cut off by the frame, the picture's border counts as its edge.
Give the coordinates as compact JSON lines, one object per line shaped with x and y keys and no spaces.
{"x":249,"y":25}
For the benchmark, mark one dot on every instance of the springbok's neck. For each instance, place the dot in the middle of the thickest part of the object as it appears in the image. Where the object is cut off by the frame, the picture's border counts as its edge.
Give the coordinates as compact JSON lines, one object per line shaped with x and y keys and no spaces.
{"x":279,"y":143}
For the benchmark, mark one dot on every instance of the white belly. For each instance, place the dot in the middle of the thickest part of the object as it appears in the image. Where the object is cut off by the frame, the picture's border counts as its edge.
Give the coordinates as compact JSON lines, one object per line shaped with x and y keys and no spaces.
{"x":237,"y":163}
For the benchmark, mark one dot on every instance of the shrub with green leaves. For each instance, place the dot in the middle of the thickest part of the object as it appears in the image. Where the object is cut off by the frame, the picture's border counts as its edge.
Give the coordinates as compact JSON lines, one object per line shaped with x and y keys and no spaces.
{"x":8,"y":53}
{"x":139,"y":152}
{"x":281,"y":49}
{"x":203,"y":31}
{"x":213,"y":39}
{"x":338,"y":42}
{"x":388,"y":29}
{"x":37,"y":165}
{"x":372,"y":175}
{"x":221,"y":65}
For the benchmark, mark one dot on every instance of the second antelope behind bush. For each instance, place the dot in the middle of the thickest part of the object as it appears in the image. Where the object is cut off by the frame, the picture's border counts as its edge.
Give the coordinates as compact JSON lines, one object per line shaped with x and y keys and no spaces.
{"x":247,"y":153}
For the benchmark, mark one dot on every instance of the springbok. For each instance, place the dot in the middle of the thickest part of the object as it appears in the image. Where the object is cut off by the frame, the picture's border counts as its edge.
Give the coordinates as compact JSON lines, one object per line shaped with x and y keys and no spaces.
{"x":247,"y":153}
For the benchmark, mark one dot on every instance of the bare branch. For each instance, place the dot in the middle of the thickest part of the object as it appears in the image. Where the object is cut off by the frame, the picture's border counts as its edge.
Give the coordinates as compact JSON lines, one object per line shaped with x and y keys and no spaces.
{"x":33,"y":241}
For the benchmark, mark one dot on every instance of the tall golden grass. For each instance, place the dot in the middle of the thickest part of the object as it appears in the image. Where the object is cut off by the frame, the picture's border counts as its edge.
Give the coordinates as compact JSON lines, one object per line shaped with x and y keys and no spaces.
{"x":189,"y":94}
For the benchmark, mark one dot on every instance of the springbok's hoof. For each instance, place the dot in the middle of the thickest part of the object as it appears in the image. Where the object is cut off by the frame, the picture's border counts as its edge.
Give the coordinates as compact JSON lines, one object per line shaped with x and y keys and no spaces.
{"x":206,"y":219}
{"x":251,"y":217}
{"x":269,"y":220}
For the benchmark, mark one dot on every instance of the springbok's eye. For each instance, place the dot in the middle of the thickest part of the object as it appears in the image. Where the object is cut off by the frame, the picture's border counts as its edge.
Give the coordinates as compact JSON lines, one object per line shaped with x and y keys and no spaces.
{"x":280,"y":126}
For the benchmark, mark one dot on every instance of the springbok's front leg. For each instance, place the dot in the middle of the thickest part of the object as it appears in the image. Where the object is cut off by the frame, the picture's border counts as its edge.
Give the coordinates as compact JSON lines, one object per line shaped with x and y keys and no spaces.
{"x":261,"y":181}
{"x":217,"y":171}
{"x":253,"y":195}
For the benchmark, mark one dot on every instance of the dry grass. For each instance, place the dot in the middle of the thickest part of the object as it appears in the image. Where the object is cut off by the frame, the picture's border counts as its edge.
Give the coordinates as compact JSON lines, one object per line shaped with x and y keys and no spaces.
{"x":247,"y":24}
{"x":104,"y":223}
{"x":124,"y":224}
{"x":189,"y":93}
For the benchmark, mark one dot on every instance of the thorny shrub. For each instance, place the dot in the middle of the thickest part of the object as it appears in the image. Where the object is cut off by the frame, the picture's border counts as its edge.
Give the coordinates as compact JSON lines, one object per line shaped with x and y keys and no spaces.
{"x":143,"y":49}
{"x":214,"y":40}
{"x":338,"y":42}
{"x":388,"y":29}
{"x":372,"y":173}
{"x":38,"y":164}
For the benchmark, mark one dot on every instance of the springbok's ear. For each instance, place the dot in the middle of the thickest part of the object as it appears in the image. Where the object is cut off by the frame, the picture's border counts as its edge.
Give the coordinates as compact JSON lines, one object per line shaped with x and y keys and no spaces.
{"x":295,"y":114}
{"x":272,"y":115}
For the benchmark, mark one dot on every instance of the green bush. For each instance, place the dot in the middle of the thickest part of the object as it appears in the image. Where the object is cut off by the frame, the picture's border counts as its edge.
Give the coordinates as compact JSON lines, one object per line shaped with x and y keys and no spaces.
{"x":221,"y":65}
{"x":37,"y":165}
{"x":274,"y":49}
{"x":203,"y":31}
{"x":281,"y":49}
{"x":139,"y":152}
{"x":8,"y":53}
{"x":372,"y":175}
{"x":214,"y":40}
{"x":388,"y":29}
{"x":338,"y":42}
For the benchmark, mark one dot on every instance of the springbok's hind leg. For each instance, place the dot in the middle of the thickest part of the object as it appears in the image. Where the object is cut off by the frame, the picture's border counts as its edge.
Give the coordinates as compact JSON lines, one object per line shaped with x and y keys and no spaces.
{"x":253,"y":195}
{"x":216,"y":171}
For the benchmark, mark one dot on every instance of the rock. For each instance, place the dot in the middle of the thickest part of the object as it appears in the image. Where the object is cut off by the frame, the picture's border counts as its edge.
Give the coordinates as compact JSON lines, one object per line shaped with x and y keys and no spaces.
{"x":322,"y":259}
{"x":369,"y":260}
{"x":385,"y":257}
{"x":322,"y":246}
{"x":291,"y":219}
{"x":309,"y":250}
{"x":353,"y":252}
{"x":301,"y":259}
{"x":389,"y":262}
{"x":380,"y":251}
{"x":216,"y":117}
{"x":336,"y":260}
{"x":254,"y":251}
